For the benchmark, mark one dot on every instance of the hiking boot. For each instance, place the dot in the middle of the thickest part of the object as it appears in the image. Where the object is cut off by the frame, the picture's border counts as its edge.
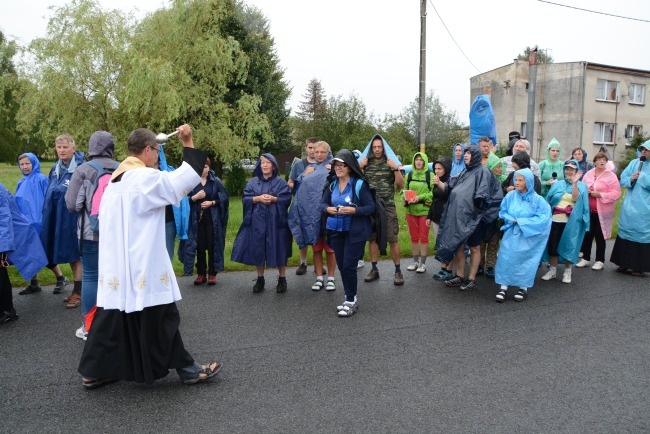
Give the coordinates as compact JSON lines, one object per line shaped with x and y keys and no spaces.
{"x":454,"y":282}
{"x":282,"y":285}
{"x":583,"y":263}
{"x":468,"y":285}
{"x":521,"y":295}
{"x":200,"y":279}
{"x":31,"y":289}
{"x":302,"y":269}
{"x":399,"y":279}
{"x":501,"y":295}
{"x":550,"y":274}
{"x":373,"y":275}
{"x":414,"y":266}
{"x":259,"y":285}
{"x":566,"y":277}
{"x":60,"y":285}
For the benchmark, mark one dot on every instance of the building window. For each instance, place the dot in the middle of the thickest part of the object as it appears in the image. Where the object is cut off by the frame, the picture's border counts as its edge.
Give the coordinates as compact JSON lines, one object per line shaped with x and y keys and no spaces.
{"x":522,"y":130}
{"x":636,"y":93}
{"x":631,"y":131}
{"x":604,"y":133}
{"x":606,"y":90}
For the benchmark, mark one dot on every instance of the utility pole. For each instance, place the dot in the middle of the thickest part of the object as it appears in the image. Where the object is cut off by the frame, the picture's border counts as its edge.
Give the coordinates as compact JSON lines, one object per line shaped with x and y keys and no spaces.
{"x":532,"y":80}
{"x":423,"y":62}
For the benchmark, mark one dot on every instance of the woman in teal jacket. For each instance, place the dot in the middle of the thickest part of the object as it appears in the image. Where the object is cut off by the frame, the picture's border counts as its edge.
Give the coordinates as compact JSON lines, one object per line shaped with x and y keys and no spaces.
{"x":552,"y":165}
{"x":420,"y":182}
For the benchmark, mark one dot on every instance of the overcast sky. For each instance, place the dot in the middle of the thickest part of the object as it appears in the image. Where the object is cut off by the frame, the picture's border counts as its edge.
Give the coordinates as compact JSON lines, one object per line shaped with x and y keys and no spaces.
{"x":371,"y":47}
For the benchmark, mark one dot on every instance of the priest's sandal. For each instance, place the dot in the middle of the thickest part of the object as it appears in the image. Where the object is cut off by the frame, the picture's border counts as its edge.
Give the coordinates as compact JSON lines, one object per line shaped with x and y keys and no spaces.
{"x":205,"y":373}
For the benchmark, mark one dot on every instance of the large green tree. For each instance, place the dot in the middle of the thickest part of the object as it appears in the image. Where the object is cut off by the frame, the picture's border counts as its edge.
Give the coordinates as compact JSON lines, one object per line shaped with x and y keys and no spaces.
{"x":181,"y":69}
{"x":9,"y":88}
{"x":76,"y":73}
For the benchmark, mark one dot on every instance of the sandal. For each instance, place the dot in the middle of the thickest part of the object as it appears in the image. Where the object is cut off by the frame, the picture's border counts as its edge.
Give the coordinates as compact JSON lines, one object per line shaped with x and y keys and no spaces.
{"x":318,"y":285}
{"x":637,"y":273}
{"x":347,"y":309}
{"x":206,"y":372}
{"x":94,"y":384}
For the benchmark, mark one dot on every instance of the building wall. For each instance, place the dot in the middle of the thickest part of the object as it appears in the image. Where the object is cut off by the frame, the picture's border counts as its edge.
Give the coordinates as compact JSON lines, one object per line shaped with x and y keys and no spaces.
{"x":565,"y":106}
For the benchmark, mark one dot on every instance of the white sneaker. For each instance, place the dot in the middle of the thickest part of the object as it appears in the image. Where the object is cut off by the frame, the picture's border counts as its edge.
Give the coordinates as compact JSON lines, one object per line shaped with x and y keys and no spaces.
{"x":598,"y":265}
{"x":421,"y":269}
{"x":583,"y":263}
{"x":330,"y":285}
{"x":413,"y":266}
{"x":360,"y":264}
{"x":580,"y":255}
{"x":566,"y":277}
{"x":81,"y":333}
{"x":550,"y":274}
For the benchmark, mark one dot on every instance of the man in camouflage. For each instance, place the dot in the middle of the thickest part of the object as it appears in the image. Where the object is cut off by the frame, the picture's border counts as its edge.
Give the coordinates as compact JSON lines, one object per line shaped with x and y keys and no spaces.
{"x":383,"y":175}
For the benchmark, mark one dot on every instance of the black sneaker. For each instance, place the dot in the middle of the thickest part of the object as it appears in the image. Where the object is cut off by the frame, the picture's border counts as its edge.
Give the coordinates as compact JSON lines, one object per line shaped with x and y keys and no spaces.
{"x":282,"y":285}
{"x":259,"y":285}
{"x":456,"y":281}
{"x":468,"y":285}
{"x":30,"y":290}
{"x":302,"y":269}
{"x":60,"y":285}
{"x":8,"y":315}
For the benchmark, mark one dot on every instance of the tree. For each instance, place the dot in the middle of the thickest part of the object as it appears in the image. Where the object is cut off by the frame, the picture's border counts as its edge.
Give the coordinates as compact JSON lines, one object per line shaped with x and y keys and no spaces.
{"x":314,"y":105}
{"x":264,"y":77}
{"x":181,"y":69}
{"x":76,"y":73}
{"x":542,"y":55}
{"x":443,"y":128}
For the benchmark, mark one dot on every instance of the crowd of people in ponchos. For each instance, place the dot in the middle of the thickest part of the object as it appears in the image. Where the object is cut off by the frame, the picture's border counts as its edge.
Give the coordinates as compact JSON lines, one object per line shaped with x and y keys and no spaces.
{"x":497,"y":211}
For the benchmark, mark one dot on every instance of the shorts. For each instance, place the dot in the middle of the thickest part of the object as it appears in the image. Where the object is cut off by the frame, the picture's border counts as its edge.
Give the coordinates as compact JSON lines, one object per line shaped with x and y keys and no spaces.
{"x":475,"y":239}
{"x":392,"y":225}
{"x":321,"y":245}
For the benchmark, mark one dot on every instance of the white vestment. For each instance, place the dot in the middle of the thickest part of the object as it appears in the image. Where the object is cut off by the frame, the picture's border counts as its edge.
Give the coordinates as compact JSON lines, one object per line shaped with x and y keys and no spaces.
{"x":135,"y":271}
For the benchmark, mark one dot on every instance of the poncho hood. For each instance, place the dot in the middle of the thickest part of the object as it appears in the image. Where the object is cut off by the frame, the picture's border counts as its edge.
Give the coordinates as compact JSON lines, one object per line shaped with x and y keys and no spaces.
{"x":457,"y":164}
{"x":258,"y":166}
{"x":347,"y":157}
{"x":476,"y":157}
{"x":552,"y":144}
{"x":388,"y":151}
{"x":446,"y":163}
{"x":36,"y":165}
{"x":101,"y":144}
{"x":530,"y":183}
{"x":426,"y":162}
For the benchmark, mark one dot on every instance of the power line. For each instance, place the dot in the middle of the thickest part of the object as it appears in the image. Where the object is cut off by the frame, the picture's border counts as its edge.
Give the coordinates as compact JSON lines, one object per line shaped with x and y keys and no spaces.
{"x":452,"y":37}
{"x":595,"y":12}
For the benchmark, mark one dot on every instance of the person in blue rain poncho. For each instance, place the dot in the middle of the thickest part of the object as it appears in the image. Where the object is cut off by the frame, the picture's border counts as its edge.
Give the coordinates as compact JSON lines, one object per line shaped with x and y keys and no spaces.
{"x":20,"y":246}
{"x":30,"y":195}
{"x":569,"y":200}
{"x":457,"y":159}
{"x":264,"y":238}
{"x":632,"y":247}
{"x":526,"y":225}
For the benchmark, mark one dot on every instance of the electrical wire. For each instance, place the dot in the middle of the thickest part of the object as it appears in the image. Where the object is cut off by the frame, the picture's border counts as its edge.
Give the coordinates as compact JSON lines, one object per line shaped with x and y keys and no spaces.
{"x":452,"y":37}
{"x":595,"y":12}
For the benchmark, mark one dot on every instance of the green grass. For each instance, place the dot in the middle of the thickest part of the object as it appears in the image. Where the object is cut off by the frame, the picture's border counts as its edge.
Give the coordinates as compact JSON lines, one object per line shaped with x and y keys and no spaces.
{"x":10,"y":174}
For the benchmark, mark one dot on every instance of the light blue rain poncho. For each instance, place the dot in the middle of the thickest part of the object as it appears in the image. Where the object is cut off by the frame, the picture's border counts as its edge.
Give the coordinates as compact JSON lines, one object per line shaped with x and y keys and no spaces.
{"x":632,"y":221}
{"x":457,"y":164}
{"x":30,"y":192}
{"x":578,"y":223}
{"x":182,"y":211}
{"x":387,"y":150}
{"x":523,"y":242}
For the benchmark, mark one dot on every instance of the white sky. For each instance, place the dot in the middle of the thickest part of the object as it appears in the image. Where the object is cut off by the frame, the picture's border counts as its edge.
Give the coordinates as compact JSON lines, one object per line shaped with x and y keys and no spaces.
{"x":371,"y":47}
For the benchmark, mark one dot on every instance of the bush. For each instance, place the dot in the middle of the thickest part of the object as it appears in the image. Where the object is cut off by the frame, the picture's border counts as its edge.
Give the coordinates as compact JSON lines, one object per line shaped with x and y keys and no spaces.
{"x":630,"y":154}
{"x":236,"y":181}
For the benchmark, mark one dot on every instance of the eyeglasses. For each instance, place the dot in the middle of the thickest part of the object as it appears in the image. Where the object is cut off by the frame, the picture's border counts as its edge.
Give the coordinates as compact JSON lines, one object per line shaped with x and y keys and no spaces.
{"x":340,"y":165}
{"x":155,"y":149}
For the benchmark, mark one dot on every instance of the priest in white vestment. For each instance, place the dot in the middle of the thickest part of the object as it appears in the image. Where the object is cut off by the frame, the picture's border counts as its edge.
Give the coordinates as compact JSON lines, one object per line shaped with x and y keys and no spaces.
{"x":135,"y":334}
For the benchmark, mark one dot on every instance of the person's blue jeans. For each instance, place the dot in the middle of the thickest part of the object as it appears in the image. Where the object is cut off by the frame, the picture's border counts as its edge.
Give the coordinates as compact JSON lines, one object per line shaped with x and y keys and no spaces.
{"x":90,"y":269}
{"x":170,"y":238}
{"x":347,"y":256}
{"x":189,"y":372}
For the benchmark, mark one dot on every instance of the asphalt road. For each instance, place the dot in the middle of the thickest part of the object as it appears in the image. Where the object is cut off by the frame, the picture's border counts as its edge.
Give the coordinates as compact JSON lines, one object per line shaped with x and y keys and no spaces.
{"x":417,"y":358}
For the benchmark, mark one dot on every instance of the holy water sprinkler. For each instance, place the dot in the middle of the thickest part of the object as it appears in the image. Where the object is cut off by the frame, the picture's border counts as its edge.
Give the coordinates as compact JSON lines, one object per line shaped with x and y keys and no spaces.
{"x":162,"y":138}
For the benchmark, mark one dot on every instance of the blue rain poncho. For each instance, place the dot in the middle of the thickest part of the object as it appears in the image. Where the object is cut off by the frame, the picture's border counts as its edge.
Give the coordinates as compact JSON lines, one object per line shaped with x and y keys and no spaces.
{"x":304,"y":217}
{"x":18,"y":238}
{"x":632,"y":221}
{"x":30,"y":192}
{"x":264,"y":237}
{"x":388,"y":151}
{"x":481,"y":120}
{"x":523,"y":242}
{"x":578,"y":223}
{"x":457,"y":164}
